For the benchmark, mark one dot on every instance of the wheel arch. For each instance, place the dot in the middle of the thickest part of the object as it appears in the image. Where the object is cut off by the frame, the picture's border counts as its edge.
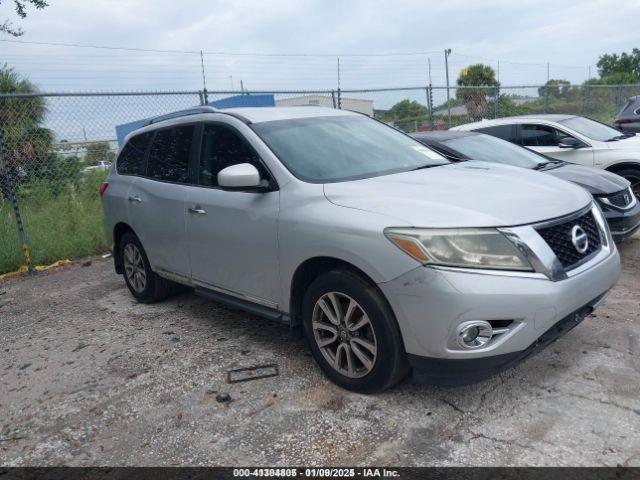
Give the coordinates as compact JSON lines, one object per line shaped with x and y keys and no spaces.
{"x":118,"y":232}
{"x":622,"y":164}
{"x":309,"y":270}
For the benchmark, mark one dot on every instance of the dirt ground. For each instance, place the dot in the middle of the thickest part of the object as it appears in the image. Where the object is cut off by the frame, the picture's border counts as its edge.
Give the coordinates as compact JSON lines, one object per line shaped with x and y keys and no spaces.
{"x":90,"y":377}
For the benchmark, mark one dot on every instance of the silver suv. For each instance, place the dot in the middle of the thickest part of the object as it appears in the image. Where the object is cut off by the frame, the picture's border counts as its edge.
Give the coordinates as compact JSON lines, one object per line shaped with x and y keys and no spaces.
{"x":389,"y":257}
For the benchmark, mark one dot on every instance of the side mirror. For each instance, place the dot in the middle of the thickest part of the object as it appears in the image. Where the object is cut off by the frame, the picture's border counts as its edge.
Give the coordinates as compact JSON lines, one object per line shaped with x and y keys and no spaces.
{"x":570,"y":142}
{"x":240,"y":176}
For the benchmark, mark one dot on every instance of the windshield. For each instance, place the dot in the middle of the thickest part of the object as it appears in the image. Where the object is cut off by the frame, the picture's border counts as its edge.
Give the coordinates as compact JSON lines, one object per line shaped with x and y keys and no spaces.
{"x":338,"y":148}
{"x":491,"y":149}
{"x":591,"y":129}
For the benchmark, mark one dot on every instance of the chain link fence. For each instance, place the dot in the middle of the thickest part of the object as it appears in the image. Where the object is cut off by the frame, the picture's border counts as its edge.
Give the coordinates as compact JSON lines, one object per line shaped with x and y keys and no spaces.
{"x":55,"y":149}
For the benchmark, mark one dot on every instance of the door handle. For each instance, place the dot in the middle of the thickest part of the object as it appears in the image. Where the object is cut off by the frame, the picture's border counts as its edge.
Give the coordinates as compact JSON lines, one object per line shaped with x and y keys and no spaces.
{"x":197,"y":210}
{"x":135,"y":199}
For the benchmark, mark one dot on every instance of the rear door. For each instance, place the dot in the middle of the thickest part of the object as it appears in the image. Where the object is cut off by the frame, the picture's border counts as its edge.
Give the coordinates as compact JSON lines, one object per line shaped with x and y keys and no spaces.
{"x":233,"y":235}
{"x":157,"y":200}
{"x":545,"y":139}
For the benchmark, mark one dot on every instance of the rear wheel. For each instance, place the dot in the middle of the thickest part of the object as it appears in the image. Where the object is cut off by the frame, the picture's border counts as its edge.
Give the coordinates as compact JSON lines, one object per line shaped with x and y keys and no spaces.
{"x":143,"y":283}
{"x":352,"y":333}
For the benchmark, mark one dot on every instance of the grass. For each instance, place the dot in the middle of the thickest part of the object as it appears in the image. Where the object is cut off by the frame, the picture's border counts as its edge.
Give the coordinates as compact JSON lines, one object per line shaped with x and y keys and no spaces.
{"x":59,"y":223}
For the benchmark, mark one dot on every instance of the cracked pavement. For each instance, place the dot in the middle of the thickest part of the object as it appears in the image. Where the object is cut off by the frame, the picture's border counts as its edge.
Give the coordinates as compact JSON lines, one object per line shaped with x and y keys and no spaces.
{"x":90,"y":377}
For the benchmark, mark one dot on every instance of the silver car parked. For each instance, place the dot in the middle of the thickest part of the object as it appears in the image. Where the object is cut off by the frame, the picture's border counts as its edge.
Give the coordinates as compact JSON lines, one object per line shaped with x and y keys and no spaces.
{"x":388,"y":256}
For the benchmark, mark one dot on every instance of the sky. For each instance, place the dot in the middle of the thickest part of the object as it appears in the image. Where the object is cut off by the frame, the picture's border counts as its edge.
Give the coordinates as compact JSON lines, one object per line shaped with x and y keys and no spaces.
{"x":297,"y":45}
{"x":294,"y":44}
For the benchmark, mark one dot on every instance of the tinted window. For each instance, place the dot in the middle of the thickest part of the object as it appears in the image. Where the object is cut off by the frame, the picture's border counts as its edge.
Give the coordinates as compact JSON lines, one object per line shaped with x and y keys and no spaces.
{"x":337,"y":148}
{"x":505,"y":132}
{"x":169,"y":154}
{"x":221,"y":148}
{"x":132,"y":155}
{"x":539,"y":136}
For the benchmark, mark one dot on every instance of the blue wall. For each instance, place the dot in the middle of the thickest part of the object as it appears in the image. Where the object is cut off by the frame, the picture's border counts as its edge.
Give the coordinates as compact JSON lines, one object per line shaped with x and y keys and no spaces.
{"x":230,"y":102}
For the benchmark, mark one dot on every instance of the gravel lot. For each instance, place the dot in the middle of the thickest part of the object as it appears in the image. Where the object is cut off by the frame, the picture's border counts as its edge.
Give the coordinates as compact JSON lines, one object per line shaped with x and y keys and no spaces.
{"x":90,"y":377}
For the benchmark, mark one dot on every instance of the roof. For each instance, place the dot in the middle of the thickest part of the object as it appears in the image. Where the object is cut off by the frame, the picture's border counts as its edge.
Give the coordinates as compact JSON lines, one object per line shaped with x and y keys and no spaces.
{"x":549,"y":117}
{"x":266,"y":114}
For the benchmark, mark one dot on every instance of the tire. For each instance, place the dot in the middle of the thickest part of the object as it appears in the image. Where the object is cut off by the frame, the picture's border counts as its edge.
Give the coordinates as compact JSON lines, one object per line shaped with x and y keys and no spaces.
{"x":341,"y":360}
{"x":143,"y":283}
{"x":633,"y":175}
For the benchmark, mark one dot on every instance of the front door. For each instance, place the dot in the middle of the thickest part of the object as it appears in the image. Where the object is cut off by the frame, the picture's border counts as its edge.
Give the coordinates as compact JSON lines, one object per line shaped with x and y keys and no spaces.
{"x":233,"y":235}
{"x":545,"y":139}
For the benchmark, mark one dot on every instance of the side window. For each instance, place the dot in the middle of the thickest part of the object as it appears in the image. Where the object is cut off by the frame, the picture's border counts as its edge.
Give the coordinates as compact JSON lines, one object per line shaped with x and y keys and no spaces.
{"x":539,"y":136}
{"x":221,"y":148}
{"x":505,"y":132}
{"x":169,"y":154}
{"x":132,"y":155}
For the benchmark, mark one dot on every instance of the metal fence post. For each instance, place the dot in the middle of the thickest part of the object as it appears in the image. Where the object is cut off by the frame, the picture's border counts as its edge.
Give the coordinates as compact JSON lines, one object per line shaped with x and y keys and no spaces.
{"x":429,"y":92}
{"x":546,"y":98}
{"x":585,"y":103}
{"x":333,"y":98}
{"x":339,"y":99}
{"x":6,"y":173}
{"x":496,"y":103}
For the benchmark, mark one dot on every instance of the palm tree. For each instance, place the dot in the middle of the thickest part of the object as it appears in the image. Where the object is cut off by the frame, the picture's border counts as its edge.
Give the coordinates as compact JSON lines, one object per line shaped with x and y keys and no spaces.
{"x":26,"y":142}
{"x":475,"y":99}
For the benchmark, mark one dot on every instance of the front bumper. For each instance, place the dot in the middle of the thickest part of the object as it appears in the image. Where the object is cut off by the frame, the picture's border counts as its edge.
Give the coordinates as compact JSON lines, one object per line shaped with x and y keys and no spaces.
{"x":455,"y":372}
{"x":622,"y":223}
{"x":430,"y":304}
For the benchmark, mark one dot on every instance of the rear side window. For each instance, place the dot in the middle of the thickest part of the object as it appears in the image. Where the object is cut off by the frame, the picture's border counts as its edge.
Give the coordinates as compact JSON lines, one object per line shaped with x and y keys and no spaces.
{"x":132,"y":156}
{"x":169,"y":154}
{"x":221,"y":148}
{"x":505,"y":132}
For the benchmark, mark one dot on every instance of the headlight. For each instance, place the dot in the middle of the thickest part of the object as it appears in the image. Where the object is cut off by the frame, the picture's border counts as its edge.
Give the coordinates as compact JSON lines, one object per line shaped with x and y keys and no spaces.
{"x":460,"y":247}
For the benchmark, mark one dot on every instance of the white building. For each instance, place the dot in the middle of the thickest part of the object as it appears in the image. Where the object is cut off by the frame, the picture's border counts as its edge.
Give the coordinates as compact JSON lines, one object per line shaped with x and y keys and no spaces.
{"x":355,"y":104}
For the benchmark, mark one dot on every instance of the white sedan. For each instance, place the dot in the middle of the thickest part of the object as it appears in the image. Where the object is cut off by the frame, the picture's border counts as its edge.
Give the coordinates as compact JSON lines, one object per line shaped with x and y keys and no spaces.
{"x":570,"y":138}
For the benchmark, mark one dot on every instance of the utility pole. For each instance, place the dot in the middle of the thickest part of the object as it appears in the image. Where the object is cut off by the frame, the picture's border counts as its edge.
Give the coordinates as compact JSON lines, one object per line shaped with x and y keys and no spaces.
{"x":204,"y":79}
{"x":447,"y":52}
{"x":546,"y":91}
{"x":430,"y":94}
{"x":241,"y":87}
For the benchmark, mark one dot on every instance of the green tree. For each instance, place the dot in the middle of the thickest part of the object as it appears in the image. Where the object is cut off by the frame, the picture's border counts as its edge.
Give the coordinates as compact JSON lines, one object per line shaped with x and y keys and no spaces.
{"x":406,"y":109}
{"x":555,"y":88}
{"x":625,"y":66}
{"x":476,"y":99}
{"x":26,"y":141}
{"x":21,"y":10}
{"x":98,"y":152}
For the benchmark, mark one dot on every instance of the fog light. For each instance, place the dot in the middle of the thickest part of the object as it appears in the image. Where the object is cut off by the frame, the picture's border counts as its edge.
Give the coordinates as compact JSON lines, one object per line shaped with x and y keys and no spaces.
{"x":475,"y":334}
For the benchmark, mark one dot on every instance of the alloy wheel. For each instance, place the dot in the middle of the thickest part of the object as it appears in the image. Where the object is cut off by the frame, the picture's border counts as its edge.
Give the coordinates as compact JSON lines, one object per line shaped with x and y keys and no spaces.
{"x":134,"y":268}
{"x":344,"y":334}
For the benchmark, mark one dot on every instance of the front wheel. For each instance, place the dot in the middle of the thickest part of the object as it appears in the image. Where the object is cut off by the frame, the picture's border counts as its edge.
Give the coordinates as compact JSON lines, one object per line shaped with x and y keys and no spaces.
{"x":352,"y":333}
{"x":633,"y":175}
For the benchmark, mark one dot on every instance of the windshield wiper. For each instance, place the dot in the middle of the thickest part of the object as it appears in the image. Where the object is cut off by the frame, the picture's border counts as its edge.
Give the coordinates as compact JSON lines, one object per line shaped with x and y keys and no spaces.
{"x":427,"y":165}
{"x":620,"y":137}
{"x":542,"y":166}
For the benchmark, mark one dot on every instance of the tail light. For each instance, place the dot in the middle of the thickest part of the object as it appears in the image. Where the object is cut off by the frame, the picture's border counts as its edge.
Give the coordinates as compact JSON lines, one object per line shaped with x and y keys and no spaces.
{"x":103,"y":188}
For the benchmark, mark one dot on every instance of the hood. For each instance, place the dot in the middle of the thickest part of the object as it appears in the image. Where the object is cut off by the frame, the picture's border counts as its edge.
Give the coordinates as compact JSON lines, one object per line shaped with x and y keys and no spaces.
{"x":596,"y":181}
{"x":469,"y":194}
{"x":631,"y":143}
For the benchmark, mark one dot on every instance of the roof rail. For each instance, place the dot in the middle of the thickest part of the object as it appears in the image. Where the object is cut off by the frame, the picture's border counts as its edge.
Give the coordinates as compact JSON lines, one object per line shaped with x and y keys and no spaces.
{"x":181,"y":113}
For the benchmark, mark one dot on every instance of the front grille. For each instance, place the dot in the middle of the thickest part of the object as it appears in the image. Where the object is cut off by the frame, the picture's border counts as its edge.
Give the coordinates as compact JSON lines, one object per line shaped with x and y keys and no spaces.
{"x":621,"y":199}
{"x":558,"y":237}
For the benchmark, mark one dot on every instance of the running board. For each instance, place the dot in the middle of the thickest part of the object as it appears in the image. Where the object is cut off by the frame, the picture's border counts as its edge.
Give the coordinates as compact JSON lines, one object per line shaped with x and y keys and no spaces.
{"x":247,"y":306}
